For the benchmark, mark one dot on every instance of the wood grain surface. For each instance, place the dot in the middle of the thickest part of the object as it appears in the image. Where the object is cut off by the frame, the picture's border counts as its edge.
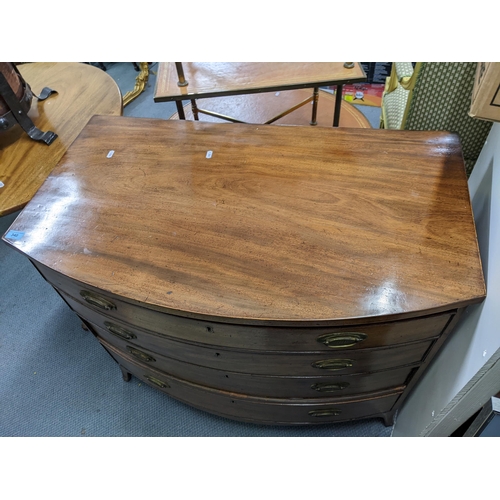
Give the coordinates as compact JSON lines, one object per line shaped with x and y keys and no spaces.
{"x":209,"y":79}
{"x":82,"y":91}
{"x":279,"y":364}
{"x":259,"y":108}
{"x":262,"y":410}
{"x":281,"y":224}
{"x":288,"y":386}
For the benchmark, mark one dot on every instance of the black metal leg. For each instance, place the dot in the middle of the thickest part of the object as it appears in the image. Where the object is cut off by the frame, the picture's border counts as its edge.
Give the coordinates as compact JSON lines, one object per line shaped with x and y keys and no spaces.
{"x":195,"y":109}
{"x":182,"y":83}
{"x":338,"y":102}
{"x":315,"y":106}
{"x":180,"y":110}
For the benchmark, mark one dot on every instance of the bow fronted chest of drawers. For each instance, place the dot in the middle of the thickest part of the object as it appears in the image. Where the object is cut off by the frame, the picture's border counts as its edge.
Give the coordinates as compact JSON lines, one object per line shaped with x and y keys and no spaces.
{"x":279,"y":275}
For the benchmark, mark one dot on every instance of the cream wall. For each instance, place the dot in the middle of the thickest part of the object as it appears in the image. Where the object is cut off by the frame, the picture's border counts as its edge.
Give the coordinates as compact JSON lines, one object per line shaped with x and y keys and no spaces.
{"x":472,"y":347}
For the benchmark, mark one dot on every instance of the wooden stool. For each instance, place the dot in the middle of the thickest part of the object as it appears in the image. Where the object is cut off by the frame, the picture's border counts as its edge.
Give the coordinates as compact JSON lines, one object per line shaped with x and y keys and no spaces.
{"x":82,"y":91}
{"x":258,"y":108}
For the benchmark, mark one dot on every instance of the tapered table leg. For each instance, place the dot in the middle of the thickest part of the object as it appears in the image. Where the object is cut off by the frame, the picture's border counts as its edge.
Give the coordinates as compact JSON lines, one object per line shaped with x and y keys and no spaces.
{"x":125,"y":374}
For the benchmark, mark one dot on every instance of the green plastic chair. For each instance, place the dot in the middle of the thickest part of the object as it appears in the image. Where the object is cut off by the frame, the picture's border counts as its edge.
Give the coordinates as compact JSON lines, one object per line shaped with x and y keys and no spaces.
{"x":435,"y":96}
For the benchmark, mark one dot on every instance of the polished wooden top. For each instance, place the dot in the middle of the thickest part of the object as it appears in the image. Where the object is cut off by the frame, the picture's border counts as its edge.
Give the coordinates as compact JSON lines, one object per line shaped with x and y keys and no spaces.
{"x":259,"y":108}
{"x":83,"y":91}
{"x":306,"y":224}
{"x":211,"y":79}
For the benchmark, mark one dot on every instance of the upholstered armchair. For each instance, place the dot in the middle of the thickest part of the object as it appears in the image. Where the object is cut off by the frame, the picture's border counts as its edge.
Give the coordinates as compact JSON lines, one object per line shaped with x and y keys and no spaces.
{"x":435,"y":96}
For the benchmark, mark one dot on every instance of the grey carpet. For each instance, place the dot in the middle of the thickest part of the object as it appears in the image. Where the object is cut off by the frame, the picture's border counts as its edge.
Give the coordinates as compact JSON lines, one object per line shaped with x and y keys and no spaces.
{"x":56,"y":380}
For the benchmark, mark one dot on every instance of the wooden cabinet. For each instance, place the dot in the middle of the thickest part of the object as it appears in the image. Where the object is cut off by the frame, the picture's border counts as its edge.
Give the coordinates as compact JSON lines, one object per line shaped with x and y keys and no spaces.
{"x":293,"y":276}
{"x":305,"y":375}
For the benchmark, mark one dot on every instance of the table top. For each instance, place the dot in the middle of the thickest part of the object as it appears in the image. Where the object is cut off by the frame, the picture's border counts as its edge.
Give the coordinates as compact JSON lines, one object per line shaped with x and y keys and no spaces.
{"x":212,"y":79}
{"x":266,"y":224}
{"x":258,"y":108}
{"x":83,"y":91}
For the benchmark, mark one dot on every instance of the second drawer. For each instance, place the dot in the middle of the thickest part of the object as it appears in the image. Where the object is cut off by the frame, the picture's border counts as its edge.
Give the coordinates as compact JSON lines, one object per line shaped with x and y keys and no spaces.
{"x":268,"y":362}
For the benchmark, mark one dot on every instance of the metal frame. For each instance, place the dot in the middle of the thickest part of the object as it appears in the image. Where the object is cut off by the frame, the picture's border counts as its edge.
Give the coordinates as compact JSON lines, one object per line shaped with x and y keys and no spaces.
{"x":182,"y":82}
{"x":18,"y":113}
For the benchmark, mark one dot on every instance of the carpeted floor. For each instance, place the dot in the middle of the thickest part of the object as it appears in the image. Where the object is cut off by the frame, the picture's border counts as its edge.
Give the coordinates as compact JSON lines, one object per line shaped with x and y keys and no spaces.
{"x":58,"y":381}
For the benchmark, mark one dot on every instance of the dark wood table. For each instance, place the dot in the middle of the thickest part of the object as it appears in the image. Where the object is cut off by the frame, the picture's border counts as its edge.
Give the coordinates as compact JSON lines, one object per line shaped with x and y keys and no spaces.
{"x":196,"y":80}
{"x":82,"y":91}
{"x":289,"y":275}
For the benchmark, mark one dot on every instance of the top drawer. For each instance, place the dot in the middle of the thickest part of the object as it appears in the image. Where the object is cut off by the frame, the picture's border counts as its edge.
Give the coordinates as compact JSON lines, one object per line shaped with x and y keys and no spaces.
{"x":98,"y":306}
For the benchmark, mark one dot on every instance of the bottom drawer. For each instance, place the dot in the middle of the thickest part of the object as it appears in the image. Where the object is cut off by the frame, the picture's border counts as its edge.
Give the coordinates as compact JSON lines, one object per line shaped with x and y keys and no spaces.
{"x":261,"y":410}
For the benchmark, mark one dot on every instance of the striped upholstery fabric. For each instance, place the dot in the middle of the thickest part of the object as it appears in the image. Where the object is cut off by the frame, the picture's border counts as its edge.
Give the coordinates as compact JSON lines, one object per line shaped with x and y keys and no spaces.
{"x":395,"y":105}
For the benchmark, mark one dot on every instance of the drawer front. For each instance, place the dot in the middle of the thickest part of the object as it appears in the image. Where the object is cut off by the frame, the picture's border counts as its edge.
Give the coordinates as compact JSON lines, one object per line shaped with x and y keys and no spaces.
{"x":317,"y":386}
{"x":262,"y":410}
{"x":98,"y":307}
{"x":270,"y":362}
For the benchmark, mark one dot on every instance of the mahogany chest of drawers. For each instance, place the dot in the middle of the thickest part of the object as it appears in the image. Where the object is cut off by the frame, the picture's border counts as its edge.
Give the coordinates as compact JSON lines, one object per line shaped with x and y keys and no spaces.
{"x":280,"y":275}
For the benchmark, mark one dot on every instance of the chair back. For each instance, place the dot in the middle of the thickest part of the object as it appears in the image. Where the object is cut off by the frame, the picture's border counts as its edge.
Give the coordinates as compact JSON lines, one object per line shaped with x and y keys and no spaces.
{"x":441,"y":100}
{"x":435,"y":96}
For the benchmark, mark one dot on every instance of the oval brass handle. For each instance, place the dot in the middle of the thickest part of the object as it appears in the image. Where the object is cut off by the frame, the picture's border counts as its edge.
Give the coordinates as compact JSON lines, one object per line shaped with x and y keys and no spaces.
{"x":340,"y":340}
{"x":333,"y":364}
{"x":330,"y":387}
{"x":140,"y":355}
{"x":157,"y":382}
{"x":119,"y":331}
{"x":325,"y":413}
{"x":97,"y":301}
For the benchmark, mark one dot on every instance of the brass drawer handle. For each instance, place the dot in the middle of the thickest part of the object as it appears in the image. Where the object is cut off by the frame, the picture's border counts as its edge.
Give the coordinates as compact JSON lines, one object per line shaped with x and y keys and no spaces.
{"x":157,"y":382}
{"x":95,"y":300}
{"x":325,"y":413}
{"x":340,"y":340}
{"x":119,"y":331}
{"x":140,"y":355}
{"x":330,"y":387}
{"x":333,"y":364}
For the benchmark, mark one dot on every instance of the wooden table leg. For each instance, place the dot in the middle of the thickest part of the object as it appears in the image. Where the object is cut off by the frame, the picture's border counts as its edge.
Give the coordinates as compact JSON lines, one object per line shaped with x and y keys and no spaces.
{"x":125,"y":374}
